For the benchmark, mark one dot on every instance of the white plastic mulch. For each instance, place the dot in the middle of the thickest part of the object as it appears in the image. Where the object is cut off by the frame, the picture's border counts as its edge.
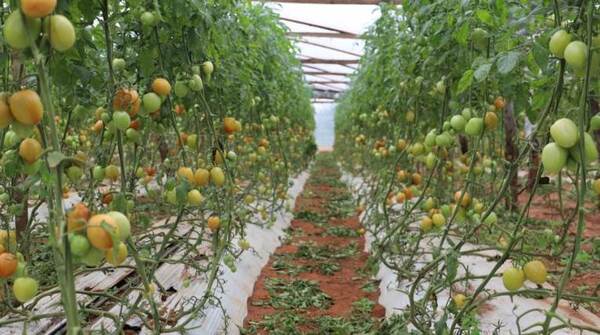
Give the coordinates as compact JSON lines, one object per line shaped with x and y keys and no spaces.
{"x":509,"y":314}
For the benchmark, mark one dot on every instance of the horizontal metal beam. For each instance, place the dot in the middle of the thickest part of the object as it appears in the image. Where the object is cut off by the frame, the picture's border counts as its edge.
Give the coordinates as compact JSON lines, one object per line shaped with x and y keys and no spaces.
{"x":340,"y":2}
{"x":329,"y":82}
{"x":319,"y":45}
{"x":314,"y":25}
{"x":325,"y":73}
{"x":329,"y":61}
{"x":321,"y":34}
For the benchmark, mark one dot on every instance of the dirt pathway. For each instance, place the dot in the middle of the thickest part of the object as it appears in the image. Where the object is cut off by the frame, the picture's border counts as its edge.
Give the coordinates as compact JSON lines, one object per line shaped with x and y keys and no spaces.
{"x":316,"y":282}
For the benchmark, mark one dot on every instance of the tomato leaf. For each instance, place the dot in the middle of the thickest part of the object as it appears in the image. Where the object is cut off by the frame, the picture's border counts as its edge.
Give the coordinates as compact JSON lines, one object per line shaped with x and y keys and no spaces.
{"x":451,"y":266}
{"x":465,"y":82}
{"x":485,"y":17}
{"x":482,"y":71}
{"x":55,"y":158}
{"x":461,"y":35}
{"x":508,"y":61}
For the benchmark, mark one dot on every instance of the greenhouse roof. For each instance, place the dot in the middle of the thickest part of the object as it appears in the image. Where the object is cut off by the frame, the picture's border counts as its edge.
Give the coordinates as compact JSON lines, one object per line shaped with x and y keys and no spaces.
{"x":327,"y":34}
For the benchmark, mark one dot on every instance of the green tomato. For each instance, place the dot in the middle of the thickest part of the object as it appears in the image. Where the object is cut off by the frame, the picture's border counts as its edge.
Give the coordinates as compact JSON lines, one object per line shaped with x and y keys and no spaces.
{"x":98,"y":173}
{"x":148,"y":19}
{"x":11,"y":139}
{"x":93,"y":258}
{"x":554,"y":158}
{"x":576,"y":54}
{"x":151,"y":102}
{"x":181,"y":89}
{"x":25,"y":288}
{"x":458,"y":122}
{"x":564,"y":132}
{"x":479,"y":37}
{"x":590,"y":150}
{"x":79,"y":244}
{"x":15,"y":30}
{"x":121,"y":120}
{"x":118,"y":64}
{"x":595,"y":123}
{"x":196,"y":83}
{"x":467,"y":114}
{"x":208,"y":68}
{"x":31,"y":169}
{"x":74,"y":173}
{"x":133,"y":135}
{"x":22,"y":131}
{"x":474,"y":126}
{"x":558,"y":43}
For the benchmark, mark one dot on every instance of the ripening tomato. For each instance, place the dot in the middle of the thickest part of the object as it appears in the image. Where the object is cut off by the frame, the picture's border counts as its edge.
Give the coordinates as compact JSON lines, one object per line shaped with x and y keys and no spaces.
{"x":161,"y":86}
{"x":25,"y":288}
{"x":118,"y":256}
{"x":513,"y":278}
{"x":30,"y":150}
{"x":596,"y":186}
{"x":8,"y":264}
{"x":26,"y":107}
{"x":195,"y":198}
{"x":214,"y":223}
{"x":499,"y":103}
{"x":459,"y":300}
{"x":490,"y":120}
{"x":127,"y":100}
{"x":426,"y":224}
{"x":5,"y":116}
{"x":229,"y":125}
{"x":123,"y":222}
{"x":535,"y":271}
{"x":99,"y":230}
{"x":112,"y":172}
{"x":185,"y":173}
{"x":466,"y":199}
{"x":217,"y":176}
{"x":438,"y":220}
{"x":61,"y":32}
{"x":38,"y":8}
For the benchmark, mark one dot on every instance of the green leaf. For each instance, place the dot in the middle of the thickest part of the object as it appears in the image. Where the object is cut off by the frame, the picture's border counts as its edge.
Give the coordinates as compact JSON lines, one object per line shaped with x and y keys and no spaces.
{"x":55,"y":158}
{"x":482,"y":72}
{"x":461,"y":35}
{"x":485,"y":17}
{"x":465,"y":82}
{"x":541,"y":55}
{"x":451,"y":266}
{"x":508,"y":61}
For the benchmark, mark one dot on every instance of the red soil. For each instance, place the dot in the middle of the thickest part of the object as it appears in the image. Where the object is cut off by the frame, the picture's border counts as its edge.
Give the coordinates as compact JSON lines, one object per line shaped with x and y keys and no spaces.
{"x":344,"y":286}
